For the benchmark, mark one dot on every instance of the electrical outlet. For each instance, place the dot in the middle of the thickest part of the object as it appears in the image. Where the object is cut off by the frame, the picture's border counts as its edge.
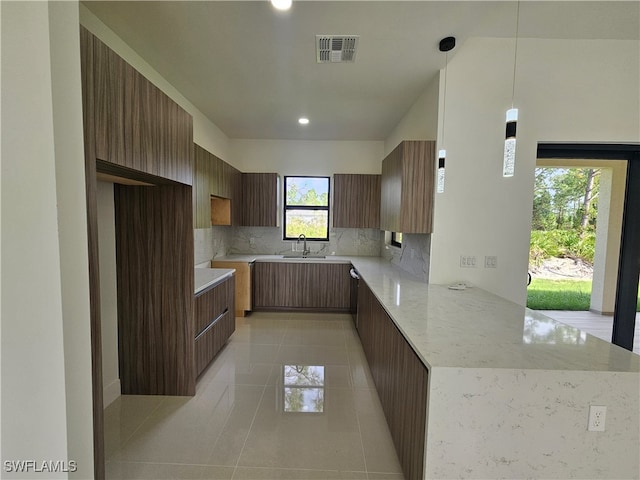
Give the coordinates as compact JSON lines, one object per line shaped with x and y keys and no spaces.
{"x":468,"y":261}
{"x":491,"y":262}
{"x":597,"y":418}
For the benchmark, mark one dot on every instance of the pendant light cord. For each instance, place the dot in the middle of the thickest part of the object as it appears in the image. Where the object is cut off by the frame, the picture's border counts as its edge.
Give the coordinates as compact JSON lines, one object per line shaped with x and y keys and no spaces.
{"x":515,"y":55}
{"x":444,"y":102}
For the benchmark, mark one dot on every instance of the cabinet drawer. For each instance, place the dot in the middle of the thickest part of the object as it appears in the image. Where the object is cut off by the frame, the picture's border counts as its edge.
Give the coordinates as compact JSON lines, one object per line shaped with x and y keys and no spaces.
{"x":210,"y":305}
{"x":212,"y":339}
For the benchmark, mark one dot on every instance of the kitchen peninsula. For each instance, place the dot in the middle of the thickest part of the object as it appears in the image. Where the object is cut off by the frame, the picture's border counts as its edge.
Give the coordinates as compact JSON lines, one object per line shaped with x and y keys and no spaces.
{"x":509,"y":389}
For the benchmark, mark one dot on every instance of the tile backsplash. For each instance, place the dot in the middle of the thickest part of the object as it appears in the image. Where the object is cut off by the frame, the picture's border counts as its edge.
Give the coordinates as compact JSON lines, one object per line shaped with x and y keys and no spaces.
{"x":342,"y":241}
{"x":413,"y":257}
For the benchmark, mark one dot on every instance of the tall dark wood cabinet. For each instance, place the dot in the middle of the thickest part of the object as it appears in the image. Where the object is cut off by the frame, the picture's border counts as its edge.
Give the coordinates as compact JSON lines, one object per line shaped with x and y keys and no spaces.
{"x":401,"y":380}
{"x":261,"y":199}
{"x":408,"y":175}
{"x":356,"y":200}
{"x":154,"y":252}
{"x":133,"y":132}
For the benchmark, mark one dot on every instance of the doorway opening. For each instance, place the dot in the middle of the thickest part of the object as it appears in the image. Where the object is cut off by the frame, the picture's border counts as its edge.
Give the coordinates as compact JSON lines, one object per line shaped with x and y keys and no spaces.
{"x":575,"y":237}
{"x":626,"y":278}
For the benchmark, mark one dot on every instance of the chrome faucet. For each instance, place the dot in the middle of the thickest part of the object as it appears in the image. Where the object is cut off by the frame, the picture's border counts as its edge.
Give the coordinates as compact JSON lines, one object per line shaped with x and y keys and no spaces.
{"x":302,"y":237}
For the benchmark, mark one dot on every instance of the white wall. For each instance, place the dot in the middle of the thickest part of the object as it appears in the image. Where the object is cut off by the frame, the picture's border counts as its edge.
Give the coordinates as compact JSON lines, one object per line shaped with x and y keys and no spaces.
{"x":108,"y":292}
{"x":46,"y":364}
{"x":205,"y":133}
{"x":578,"y":91}
{"x":421,"y":121}
{"x":301,"y":157}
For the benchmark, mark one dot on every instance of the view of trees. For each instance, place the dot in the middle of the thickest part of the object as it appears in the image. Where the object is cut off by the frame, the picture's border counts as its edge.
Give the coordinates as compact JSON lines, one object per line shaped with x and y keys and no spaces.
{"x":565,"y":208}
{"x":307,"y":192}
{"x":299,"y":396}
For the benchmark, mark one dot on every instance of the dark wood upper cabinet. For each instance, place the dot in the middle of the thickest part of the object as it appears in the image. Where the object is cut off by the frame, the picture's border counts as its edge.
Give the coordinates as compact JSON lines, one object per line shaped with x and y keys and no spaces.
{"x":261,"y":201}
{"x":136,"y":125}
{"x":356,"y":200}
{"x":408,"y":174}
{"x":215,"y":177}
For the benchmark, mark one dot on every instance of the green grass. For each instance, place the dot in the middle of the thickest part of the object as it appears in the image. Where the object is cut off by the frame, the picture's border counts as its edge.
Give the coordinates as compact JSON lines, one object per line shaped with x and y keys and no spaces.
{"x":546,"y":294}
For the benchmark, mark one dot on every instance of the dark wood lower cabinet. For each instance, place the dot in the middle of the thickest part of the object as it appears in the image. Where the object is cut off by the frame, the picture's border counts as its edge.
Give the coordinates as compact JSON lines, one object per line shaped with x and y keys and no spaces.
{"x":401,"y":380}
{"x":295,"y":286}
{"x":214,"y":321}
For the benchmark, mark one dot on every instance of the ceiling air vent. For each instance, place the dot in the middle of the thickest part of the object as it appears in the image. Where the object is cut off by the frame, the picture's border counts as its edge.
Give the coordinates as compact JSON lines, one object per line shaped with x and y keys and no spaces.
{"x":336,"y":48}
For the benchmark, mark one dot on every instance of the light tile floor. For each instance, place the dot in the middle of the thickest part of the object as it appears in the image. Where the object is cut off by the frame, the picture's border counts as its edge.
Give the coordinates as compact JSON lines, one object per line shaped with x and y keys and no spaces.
{"x":597,"y":325}
{"x":238,"y":425}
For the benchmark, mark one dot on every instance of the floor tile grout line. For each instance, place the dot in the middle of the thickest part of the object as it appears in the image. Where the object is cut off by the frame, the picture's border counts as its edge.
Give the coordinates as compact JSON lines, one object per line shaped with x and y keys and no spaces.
{"x":244,"y":444}
{"x":129,"y":437}
{"x":364,"y":456}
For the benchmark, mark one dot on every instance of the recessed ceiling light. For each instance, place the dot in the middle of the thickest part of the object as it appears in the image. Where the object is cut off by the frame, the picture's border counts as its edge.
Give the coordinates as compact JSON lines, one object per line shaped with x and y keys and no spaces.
{"x":303,"y":121}
{"x":281,"y":4}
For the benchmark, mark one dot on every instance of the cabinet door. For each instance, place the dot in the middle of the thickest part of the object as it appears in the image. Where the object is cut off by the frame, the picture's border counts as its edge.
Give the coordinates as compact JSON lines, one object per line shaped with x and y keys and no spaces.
{"x":418,"y":179}
{"x":237,"y":198}
{"x":202,"y":203}
{"x":356,"y":201}
{"x":136,"y":125}
{"x":408,"y":175}
{"x":139,"y":122}
{"x":109,"y":103}
{"x":327,"y":286}
{"x":260,"y":199}
{"x":391,"y":191}
{"x":174,"y":140}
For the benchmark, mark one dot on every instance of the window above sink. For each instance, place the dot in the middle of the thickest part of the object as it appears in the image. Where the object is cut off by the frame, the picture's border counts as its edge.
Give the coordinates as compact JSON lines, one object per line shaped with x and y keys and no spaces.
{"x":306,"y":208}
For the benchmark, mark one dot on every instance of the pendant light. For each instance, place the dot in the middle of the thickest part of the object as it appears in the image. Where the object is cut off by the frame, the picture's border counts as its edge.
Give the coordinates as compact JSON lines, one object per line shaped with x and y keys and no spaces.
{"x":509,"y":161}
{"x":446,"y":45}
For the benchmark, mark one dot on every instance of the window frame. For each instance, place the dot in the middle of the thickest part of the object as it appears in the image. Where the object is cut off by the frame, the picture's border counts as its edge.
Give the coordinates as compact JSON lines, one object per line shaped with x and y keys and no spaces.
{"x":323,"y":208}
{"x":394,"y":240}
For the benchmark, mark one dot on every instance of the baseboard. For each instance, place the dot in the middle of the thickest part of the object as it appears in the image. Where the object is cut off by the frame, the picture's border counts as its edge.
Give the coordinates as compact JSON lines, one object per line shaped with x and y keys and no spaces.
{"x":111,"y":392}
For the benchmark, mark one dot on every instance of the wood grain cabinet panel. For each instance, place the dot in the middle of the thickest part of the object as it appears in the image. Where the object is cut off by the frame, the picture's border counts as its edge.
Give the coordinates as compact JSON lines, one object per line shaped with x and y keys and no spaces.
{"x":260,"y":199}
{"x":154,"y":248}
{"x":107,"y":72}
{"x":213,"y":176}
{"x":214,"y":322}
{"x":408,"y":174}
{"x":356,"y":200}
{"x":135,"y":124}
{"x":243,"y":276}
{"x":299,"y":285}
{"x":401,"y":380}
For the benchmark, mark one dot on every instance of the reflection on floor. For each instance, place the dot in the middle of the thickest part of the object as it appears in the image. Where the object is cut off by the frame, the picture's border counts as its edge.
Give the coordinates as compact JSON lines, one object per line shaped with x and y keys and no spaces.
{"x":289,"y":397}
{"x":597,"y":325}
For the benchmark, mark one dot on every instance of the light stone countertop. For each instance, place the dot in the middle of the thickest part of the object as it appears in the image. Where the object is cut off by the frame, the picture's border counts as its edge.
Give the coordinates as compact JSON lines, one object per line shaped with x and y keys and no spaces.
{"x":281,"y":258}
{"x":473,"y":328}
{"x":208,"y":277}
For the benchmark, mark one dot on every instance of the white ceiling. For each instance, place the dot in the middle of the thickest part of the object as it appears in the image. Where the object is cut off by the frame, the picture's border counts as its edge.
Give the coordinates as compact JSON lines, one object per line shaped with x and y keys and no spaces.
{"x":253,"y":71}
